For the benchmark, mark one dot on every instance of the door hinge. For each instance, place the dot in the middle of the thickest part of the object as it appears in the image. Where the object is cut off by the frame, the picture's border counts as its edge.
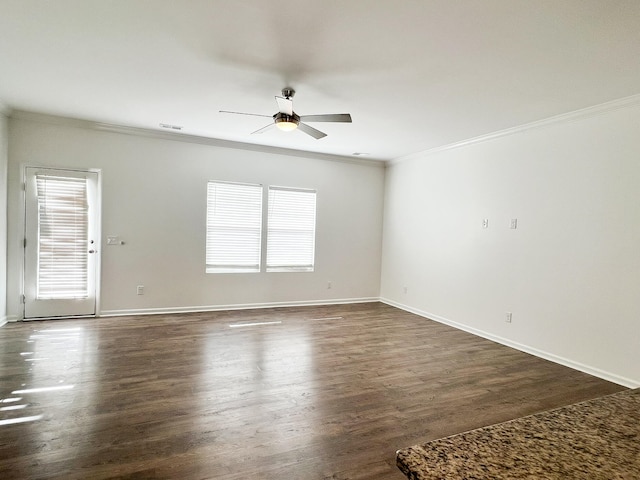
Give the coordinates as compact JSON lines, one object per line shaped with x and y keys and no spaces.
{"x":23,"y":298}
{"x":24,"y":243}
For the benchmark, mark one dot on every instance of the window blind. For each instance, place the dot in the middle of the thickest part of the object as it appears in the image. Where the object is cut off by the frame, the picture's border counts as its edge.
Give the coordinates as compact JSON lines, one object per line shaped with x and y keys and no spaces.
{"x":63,"y":220}
{"x":234,"y":227}
{"x":291,"y":229}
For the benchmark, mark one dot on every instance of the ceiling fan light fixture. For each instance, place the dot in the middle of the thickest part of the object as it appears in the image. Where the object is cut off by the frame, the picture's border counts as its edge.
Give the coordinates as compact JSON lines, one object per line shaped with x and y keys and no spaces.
{"x":287,"y":126}
{"x":285,"y":122}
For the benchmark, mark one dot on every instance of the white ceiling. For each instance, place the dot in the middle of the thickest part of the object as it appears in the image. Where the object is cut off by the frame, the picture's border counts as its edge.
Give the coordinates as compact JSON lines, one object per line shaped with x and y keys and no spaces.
{"x":414,"y":74}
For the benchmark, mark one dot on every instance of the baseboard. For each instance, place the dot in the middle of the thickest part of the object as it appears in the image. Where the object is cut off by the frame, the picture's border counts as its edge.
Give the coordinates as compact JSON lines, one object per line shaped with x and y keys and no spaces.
{"x":243,"y":306}
{"x":3,"y":321}
{"x":596,"y":372}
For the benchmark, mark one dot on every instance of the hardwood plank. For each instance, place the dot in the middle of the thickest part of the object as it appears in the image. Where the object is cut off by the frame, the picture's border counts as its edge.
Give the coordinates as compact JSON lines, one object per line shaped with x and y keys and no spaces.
{"x":330,"y":393}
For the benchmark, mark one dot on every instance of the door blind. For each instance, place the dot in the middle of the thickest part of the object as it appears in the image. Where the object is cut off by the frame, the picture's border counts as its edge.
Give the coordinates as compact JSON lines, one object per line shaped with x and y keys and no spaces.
{"x":234,"y":227}
{"x":291,"y":230}
{"x":63,"y":220}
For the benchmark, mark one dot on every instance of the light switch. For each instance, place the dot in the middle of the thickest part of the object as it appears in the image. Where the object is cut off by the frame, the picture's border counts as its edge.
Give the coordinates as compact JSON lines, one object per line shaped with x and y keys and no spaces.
{"x":514,"y":223}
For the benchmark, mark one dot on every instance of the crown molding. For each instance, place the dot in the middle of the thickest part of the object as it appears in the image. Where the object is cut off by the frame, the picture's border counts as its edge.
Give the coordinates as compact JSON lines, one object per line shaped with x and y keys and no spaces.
{"x":186,"y":138}
{"x":583,"y":113}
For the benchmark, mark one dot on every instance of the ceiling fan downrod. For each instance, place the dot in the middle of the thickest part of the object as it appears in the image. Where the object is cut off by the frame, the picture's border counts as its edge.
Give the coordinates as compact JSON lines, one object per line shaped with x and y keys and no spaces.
{"x":288,"y":93}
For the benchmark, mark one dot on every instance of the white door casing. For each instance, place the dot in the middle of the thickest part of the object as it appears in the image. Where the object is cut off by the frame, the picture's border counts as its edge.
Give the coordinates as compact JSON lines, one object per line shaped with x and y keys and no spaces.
{"x":61,"y":242}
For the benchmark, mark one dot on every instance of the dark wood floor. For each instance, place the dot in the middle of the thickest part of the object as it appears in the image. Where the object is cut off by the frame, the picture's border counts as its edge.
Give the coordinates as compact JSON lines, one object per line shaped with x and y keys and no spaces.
{"x":329,"y":393}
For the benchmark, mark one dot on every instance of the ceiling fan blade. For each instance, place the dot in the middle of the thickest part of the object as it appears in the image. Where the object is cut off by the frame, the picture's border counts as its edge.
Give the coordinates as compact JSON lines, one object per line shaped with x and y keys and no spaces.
{"x":285,"y":105}
{"x":317,"y":134}
{"x":243,"y":113}
{"x":263,"y":129}
{"x":330,"y":117}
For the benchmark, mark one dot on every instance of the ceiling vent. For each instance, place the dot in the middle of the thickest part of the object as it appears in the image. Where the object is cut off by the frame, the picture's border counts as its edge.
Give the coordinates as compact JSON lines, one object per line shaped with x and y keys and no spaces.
{"x":170,"y":127}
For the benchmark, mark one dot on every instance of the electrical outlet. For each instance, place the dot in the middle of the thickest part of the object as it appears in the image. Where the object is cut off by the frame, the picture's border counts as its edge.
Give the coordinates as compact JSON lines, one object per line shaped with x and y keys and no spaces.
{"x":508,"y":317}
{"x":485,"y":223}
{"x":140,"y":289}
{"x":514,"y":223}
{"x":329,"y":285}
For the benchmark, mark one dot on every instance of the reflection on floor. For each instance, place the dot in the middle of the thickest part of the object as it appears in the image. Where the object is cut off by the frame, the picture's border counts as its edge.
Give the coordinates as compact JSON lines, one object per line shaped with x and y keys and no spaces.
{"x":310,"y":392}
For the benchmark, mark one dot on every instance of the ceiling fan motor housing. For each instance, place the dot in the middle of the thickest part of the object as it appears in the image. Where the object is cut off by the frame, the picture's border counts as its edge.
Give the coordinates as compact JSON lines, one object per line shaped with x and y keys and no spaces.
{"x":284,"y":118}
{"x":288,"y":93}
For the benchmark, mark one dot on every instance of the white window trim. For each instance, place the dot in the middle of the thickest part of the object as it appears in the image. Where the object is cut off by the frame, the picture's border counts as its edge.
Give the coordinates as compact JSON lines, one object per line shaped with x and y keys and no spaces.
{"x":268,"y":244}
{"x":275,"y":264}
{"x":253,"y":259}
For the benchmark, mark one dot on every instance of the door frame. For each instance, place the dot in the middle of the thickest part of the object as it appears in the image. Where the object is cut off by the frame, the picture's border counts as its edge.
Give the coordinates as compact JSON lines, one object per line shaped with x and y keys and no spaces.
{"x":23,"y":233}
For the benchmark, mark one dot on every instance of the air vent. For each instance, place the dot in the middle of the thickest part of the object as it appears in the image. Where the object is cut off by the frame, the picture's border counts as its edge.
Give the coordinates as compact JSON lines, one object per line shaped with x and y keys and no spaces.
{"x":170,"y":127}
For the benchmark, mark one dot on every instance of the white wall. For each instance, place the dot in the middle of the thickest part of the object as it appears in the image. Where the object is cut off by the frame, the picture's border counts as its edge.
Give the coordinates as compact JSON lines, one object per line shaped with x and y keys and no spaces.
{"x":154,"y":198}
{"x":569,"y":273}
{"x":4,"y":140}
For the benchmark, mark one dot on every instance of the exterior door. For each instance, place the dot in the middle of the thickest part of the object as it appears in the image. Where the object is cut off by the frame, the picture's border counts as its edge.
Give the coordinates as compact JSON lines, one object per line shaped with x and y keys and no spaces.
{"x":61,"y":243}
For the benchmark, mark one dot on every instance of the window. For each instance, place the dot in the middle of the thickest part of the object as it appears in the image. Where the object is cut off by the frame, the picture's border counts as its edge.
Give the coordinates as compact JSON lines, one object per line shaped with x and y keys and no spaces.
{"x":291,"y":230}
{"x":234,"y":227}
{"x":62,"y":237}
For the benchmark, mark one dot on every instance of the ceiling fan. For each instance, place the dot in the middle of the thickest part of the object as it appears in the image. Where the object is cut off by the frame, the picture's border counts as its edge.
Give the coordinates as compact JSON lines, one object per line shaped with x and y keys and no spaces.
{"x":287,"y":120}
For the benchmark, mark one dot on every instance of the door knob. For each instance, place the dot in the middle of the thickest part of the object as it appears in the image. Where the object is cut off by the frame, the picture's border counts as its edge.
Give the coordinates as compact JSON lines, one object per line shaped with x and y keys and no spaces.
{"x":92,"y":251}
